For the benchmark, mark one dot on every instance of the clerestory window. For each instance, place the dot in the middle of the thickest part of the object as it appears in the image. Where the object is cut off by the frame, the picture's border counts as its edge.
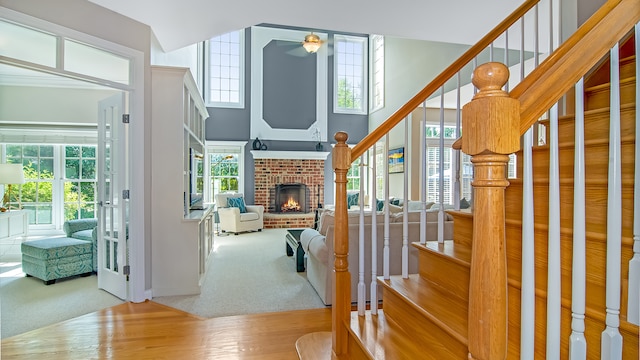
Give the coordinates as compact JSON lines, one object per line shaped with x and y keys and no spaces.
{"x":350,"y":69}
{"x":224,"y":70}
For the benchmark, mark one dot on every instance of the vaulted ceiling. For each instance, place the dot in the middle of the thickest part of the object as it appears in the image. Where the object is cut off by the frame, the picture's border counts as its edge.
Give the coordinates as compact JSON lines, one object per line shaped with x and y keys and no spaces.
{"x":181,"y":23}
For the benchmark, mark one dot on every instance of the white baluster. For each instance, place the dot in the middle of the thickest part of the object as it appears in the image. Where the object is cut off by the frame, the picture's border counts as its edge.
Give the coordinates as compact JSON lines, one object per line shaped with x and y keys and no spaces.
{"x":577,"y":341}
{"x":554,"y":294}
{"x":441,"y":171}
{"x":611,"y":339}
{"x":374,"y":233}
{"x":423,"y":175}
{"x":362,"y":289}
{"x":385,"y":253}
{"x":528,"y":292}
{"x":633,"y":296}
{"x":455,"y":171}
{"x":554,"y":268}
{"x":405,"y":218}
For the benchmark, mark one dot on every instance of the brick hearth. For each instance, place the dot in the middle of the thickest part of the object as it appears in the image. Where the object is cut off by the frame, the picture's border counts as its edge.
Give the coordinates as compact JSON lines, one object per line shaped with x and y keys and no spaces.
{"x":270,"y":172}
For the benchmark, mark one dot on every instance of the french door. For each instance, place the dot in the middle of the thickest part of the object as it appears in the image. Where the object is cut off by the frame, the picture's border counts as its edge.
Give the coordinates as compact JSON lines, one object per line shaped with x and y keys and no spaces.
{"x":113,"y":201}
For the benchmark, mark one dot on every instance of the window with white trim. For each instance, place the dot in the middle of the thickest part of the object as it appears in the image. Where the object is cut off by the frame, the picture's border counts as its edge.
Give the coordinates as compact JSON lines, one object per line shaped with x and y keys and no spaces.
{"x":377,"y":72}
{"x":224,"y":70}
{"x":60,"y":182}
{"x":350,"y":69}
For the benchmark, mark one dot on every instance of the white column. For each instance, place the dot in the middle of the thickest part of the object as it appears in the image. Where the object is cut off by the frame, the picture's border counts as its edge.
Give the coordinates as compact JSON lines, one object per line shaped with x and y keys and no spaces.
{"x":611,"y":347}
{"x":577,"y":341}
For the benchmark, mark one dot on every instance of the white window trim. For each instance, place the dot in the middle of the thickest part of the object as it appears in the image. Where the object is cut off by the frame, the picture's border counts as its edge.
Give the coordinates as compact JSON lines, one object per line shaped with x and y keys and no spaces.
{"x":207,"y":77}
{"x":373,"y":107}
{"x":217,"y":146}
{"x":365,"y":76}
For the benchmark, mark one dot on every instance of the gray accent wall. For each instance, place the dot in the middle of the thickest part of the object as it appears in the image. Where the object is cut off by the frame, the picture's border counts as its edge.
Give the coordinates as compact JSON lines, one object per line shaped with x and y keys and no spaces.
{"x":227,"y":124}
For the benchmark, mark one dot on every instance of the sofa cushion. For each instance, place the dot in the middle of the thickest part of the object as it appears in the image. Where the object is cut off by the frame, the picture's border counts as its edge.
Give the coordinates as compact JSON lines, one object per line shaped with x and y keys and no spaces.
{"x":75,"y":225}
{"x":249,"y":216}
{"x":83,"y":234}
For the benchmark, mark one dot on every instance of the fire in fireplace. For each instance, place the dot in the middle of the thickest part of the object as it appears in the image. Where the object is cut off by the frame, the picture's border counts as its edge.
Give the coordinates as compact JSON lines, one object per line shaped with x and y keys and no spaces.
{"x":290,"y":198}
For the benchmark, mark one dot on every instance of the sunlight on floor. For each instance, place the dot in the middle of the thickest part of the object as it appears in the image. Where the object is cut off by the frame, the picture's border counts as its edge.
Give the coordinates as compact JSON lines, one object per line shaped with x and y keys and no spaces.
{"x":17,"y":272}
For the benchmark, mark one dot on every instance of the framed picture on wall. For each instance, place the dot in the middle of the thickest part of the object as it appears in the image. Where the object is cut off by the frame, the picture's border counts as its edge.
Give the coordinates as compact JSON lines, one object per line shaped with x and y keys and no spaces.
{"x":396,"y":160}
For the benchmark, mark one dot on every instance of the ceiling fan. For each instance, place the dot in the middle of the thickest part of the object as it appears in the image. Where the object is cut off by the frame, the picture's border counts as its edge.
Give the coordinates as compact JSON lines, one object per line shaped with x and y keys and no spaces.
{"x":312,"y":43}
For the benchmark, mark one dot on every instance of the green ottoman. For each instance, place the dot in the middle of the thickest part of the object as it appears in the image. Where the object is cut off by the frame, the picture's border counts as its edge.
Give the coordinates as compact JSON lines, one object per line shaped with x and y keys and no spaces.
{"x":57,"y":258}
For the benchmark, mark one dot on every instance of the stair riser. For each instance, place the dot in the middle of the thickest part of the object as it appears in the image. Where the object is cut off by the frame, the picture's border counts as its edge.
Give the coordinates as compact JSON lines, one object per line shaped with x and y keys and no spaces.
{"x":596,"y":161}
{"x":599,"y":98}
{"x":422,"y":329}
{"x":595,"y":207}
{"x":447,"y":274}
{"x":598,"y":126}
{"x":463,"y":230}
{"x":627,"y":70}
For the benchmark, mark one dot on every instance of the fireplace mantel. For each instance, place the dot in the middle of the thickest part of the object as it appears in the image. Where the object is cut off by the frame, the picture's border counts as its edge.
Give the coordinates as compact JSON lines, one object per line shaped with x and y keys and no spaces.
{"x":299,"y":155}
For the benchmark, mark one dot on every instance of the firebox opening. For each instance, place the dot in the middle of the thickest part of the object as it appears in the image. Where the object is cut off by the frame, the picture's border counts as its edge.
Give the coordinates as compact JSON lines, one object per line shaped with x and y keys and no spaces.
{"x":290,"y":198}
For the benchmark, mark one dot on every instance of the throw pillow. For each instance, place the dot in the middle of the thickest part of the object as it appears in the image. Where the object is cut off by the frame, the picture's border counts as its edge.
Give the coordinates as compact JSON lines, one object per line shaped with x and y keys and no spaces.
{"x":464,"y":203}
{"x":353,"y":200}
{"x":379,"y":205}
{"x":395,"y":202}
{"x":237,"y":202}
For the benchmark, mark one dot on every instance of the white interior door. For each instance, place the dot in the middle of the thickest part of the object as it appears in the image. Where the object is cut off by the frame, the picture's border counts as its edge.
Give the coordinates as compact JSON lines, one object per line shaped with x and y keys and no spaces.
{"x":112,"y":202}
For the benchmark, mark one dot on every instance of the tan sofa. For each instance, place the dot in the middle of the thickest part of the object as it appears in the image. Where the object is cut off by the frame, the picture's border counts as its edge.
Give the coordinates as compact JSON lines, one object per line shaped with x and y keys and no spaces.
{"x":319,"y":247}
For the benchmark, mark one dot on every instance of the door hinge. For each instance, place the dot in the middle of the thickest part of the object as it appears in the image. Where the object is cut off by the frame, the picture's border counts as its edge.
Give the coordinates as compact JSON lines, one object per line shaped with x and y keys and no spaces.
{"x":125,"y":118}
{"x":125,"y":194}
{"x":126,"y":270}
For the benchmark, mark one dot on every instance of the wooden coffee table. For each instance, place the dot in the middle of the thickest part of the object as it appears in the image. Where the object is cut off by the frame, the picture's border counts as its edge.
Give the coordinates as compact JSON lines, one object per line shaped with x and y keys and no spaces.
{"x":292,"y":241}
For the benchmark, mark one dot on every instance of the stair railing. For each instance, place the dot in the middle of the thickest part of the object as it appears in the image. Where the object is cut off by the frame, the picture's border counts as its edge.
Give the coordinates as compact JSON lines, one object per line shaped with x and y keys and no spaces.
{"x":343,"y":156}
{"x":557,"y":65}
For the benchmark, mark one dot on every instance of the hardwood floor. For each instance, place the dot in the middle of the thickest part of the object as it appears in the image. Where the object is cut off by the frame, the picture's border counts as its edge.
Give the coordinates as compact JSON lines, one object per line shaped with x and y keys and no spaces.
{"x":153,"y":331}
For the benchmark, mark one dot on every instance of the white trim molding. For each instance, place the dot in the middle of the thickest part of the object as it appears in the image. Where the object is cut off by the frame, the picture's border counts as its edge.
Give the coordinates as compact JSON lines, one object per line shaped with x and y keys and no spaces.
{"x":260,"y":37}
{"x":291,"y":155}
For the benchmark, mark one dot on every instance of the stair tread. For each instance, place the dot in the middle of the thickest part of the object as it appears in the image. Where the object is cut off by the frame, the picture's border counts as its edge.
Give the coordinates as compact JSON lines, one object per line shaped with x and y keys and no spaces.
{"x":435,"y":303}
{"x":460,"y":253}
{"x":384,"y":339}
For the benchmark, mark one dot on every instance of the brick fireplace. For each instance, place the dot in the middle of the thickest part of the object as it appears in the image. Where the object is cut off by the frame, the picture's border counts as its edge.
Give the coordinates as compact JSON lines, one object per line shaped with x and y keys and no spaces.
{"x":274,"y":168}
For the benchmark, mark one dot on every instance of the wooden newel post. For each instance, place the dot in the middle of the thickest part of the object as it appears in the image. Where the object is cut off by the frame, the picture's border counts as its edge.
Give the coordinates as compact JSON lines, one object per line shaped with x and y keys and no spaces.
{"x":341,"y":309}
{"x":491,"y":123}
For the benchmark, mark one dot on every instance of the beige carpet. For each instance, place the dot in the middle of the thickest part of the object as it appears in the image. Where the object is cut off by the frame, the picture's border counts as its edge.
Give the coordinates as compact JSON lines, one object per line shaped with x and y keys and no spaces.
{"x":249,"y":273}
{"x":27,"y":304}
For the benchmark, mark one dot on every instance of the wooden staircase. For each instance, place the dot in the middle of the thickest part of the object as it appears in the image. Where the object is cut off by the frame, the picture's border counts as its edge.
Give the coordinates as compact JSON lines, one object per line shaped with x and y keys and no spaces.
{"x":425,"y":316}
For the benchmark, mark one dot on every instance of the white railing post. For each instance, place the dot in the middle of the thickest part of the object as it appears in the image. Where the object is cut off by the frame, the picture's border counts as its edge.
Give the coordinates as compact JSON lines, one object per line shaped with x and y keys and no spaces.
{"x":405,"y":218}
{"x":441,"y":172}
{"x":577,"y":341}
{"x":374,"y":233}
{"x":611,"y":347}
{"x":633,"y":295}
{"x":528,"y":297}
{"x":385,"y":251}
{"x":423,"y":175}
{"x":554,"y":293}
{"x":361,"y":285}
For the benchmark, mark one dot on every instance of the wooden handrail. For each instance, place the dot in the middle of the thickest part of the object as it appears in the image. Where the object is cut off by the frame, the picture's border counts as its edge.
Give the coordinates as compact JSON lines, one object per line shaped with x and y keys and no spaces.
{"x":440,"y":80}
{"x":573,"y":59}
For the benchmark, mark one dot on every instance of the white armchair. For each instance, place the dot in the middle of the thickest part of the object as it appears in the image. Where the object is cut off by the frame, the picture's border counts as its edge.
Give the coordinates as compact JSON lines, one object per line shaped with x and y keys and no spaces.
{"x":232,"y":220}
